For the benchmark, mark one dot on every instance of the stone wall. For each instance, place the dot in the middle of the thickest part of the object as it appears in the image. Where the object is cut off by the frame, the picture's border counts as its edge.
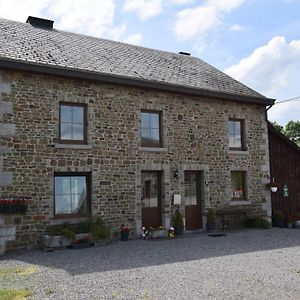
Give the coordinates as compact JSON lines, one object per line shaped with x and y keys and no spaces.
{"x":194,"y":138}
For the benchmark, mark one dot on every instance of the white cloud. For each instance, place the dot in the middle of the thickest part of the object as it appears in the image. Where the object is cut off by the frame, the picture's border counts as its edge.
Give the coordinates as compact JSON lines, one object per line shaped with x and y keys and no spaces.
{"x":145,"y":9}
{"x":273,"y":70}
{"x":134,"y":39}
{"x":19,"y":10}
{"x":91,"y":17}
{"x":195,"y":22}
{"x":236,"y":27}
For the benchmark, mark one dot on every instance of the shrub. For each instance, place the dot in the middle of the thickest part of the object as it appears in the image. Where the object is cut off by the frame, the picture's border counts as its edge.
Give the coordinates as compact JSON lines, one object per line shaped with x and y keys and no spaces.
{"x":257,"y":223}
{"x":211,"y":216}
{"x":178,"y":220}
{"x":278,"y":215}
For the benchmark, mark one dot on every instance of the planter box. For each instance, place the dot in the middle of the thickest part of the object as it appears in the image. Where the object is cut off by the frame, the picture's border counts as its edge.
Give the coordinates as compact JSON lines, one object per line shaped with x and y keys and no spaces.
{"x":55,"y":241}
{"x":297,"y":224}
{"x":159,"y":233}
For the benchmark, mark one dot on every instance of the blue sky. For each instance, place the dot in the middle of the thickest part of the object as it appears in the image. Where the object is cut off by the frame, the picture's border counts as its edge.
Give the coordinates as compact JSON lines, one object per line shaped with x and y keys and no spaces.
{"x":255,"y":41}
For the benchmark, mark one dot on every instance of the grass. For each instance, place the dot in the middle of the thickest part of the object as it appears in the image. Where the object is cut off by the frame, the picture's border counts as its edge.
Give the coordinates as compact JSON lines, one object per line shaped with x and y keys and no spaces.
{"x":8,"y":294}
{"x":22,"y":271}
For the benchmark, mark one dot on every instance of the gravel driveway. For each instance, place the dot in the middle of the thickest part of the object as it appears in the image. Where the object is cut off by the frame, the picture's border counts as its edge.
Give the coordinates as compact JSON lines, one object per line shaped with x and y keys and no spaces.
{"x":246,"y":264}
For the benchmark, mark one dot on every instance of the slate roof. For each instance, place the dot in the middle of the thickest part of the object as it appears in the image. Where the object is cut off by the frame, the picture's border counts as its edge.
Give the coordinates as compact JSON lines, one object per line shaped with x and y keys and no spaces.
{"x":23,"y":43}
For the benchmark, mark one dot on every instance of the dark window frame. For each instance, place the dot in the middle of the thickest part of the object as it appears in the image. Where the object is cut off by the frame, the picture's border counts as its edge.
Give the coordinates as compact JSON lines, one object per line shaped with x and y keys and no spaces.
{"x":242,"y":134}
{"x":244,"y":177}
{"x":152,"y":145}
{"x":85,"y":125}
{"x":88,"y":176}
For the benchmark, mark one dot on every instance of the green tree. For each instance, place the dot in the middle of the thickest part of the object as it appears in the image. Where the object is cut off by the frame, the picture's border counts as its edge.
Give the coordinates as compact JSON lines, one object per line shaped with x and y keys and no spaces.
{"x":292,"y":131}
{"x":278,"y":127}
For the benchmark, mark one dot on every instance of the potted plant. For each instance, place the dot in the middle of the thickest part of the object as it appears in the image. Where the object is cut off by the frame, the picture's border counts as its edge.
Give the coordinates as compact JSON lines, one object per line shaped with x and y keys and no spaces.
{"x":124,"y":232}
{"x":178,"y":223}
{"x":211,"y":220}
{"x":278,"y":219}
{"x":290,"y":221}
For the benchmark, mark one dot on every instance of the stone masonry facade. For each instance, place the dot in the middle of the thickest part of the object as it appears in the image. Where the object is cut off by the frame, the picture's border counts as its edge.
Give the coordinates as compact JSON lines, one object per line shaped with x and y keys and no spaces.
{"x":194,"y":133}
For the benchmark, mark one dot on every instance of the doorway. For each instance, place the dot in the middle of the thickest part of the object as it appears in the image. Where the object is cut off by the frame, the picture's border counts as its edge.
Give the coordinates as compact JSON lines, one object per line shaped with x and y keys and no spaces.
{"x":192,"y":197}
{"x":151,"y":199}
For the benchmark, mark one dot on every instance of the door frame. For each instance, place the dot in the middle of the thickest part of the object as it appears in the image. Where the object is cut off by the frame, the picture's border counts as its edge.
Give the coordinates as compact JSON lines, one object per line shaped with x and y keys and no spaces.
{"x":203,"y":170}
{"x":165,"y":194}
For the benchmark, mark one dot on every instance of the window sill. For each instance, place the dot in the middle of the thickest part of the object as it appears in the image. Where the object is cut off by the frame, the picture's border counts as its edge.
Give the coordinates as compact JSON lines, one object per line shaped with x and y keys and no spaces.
{"x":153,"y":149}
{"x":238,"y":152}
{"x":236,"y":203}
{"x":61,"y":221}
{"x":73,"y":146}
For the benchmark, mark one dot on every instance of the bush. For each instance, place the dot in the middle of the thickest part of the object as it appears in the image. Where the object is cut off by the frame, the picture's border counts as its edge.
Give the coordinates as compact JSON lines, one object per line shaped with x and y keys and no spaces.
{"x":257,"y":223}
{"x":95,"y":226}
{"x":178,"y":220}
{"x":211,"y":216}
{"x":278,"y":215}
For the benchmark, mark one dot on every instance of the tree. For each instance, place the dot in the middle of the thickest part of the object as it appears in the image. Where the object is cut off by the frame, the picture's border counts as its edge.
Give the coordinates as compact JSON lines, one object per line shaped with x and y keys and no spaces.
{"x":292,"y":131}
{"x":278,"y":126}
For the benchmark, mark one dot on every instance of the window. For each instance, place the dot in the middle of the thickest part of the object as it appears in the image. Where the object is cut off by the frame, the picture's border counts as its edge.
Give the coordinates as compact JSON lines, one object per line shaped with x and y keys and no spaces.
{"x":236,"y":134}
{"x":72,"y":127}
{"x":190,"y":188}
{"x":72,"y":194}
{"x":238,"y":184}
{"x":151,"y":129}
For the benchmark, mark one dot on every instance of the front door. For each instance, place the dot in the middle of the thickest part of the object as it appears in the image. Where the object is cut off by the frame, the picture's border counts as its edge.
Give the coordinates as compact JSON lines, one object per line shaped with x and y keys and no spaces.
{"x":192,"y":198}
{"x":151,"y":199}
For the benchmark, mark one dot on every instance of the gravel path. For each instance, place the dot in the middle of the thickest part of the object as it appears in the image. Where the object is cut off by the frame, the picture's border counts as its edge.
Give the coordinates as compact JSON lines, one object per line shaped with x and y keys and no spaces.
{"x":247,"y":264}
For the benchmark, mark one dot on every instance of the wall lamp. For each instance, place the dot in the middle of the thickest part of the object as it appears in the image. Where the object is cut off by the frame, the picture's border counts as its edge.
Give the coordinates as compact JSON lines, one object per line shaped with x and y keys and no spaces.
{"x":176,"y":173}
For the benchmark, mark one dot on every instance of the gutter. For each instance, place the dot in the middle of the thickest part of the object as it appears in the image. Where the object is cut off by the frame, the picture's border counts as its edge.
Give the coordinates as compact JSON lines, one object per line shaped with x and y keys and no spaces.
{"x":109,"y":78}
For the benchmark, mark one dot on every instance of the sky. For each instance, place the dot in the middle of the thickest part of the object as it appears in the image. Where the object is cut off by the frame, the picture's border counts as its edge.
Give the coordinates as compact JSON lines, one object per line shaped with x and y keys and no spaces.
{"x":255,"y":41}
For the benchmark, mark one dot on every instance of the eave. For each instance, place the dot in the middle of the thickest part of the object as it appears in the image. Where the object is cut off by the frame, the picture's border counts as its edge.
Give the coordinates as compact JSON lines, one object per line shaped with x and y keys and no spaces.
{"x":55,"y":70}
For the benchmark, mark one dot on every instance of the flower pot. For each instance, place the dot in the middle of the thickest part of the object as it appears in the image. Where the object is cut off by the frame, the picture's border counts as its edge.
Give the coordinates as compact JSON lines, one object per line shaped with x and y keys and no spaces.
{"x":178,"y":230}
{"x":279,"y":223}
{"x":124,"y":235}
{"x":210,"y":227}
{"x":297,"y":224}
{"x":274,"y":189}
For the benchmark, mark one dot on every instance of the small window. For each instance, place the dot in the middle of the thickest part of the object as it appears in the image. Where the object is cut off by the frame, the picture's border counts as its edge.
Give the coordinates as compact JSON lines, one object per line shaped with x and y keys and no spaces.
{"x":151,"y":129}
{"x":71,"y":194}
{"x":72,"y":127}
{"x":238,"y":185}
{"x":236,"y":134}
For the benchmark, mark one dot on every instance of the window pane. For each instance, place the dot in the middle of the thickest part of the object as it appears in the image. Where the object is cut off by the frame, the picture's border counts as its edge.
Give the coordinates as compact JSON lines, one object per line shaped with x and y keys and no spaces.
{"x":77,"y":132}
{"x":78,"y":184}
{"x":62,"y":185}
{"x":66,"y":131}
{"x":145,"y":120}
{"x":155,"y":136}
{"x":146,"y":137}
{"x":63,"y":204}
{"x":154,"y":121}
{"x":78,"y":203}
{"x":66,"y":114}
{"x":237,"y":184}
{"x":77,"y":115}
{"x":235,"y":134}
{"x":70,"y":194}
{"x":150,"y":190}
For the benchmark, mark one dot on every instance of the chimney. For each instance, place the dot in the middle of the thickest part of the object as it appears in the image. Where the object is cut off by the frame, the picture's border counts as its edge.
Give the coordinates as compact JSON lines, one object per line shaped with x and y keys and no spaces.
{"x":184,"y":53}
{"x":40,"y":23}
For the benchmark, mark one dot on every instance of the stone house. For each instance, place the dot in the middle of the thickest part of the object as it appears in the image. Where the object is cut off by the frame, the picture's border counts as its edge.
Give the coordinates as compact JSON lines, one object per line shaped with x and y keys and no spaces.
{"x":97,"y":127}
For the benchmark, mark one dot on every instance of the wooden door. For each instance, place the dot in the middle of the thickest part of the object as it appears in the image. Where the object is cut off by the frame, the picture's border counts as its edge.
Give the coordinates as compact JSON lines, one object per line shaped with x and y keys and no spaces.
{"x":151,"y":199}
{"x":192,"y":198}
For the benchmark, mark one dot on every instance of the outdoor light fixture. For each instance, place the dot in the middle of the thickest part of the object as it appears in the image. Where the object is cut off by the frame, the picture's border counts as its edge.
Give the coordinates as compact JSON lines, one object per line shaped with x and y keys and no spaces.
{"x":176,"y":173}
